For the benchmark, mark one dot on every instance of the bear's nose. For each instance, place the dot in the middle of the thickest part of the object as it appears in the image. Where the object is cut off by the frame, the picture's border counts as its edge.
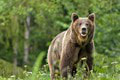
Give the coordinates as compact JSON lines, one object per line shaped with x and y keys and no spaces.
{"x":84,"y":29}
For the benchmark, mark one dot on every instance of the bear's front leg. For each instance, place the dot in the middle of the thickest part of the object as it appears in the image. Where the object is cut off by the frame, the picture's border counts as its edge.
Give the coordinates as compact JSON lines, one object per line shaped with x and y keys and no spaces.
{"x":89,"y":49}
{"x":66,"y":66}
{"x":68,"y":58}
{"x":89,"y":64}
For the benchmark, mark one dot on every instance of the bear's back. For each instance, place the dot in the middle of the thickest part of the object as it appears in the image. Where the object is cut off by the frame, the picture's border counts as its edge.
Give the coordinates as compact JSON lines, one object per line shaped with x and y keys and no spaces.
{"x":56,"y":46}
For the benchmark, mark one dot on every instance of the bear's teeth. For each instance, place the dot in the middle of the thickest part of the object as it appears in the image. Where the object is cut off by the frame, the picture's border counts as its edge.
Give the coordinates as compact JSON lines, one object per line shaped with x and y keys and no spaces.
{"x":83,"y":34}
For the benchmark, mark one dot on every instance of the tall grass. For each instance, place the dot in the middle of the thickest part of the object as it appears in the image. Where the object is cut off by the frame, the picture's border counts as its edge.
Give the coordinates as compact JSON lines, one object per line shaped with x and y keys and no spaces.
{"x":37,"y":65}
{"x":105,"y":68}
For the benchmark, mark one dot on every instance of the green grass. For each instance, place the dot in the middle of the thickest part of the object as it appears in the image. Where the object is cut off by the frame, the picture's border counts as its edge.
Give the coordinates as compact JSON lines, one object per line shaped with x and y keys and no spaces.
{"x":6,"y":69}
{"x":105,"y":68}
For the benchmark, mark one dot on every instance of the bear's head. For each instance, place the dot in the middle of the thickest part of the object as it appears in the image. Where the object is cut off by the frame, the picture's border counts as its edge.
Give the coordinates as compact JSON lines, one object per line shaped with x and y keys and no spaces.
{"x":83,"y":28}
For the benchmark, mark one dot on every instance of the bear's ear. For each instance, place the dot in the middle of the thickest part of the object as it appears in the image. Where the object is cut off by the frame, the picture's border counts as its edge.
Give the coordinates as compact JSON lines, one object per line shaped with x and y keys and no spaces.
{"x":92,"y":17}
{"x":74,"y":17}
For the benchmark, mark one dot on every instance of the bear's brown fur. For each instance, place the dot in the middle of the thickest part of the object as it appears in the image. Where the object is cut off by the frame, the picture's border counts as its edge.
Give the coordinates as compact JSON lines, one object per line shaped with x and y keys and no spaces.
{"x":68,"y":47}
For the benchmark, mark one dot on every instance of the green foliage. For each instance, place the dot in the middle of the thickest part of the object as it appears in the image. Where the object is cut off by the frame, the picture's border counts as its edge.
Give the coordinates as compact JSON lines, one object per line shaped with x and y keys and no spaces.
{"x":37,"y":65}
{"x":6,"y":69}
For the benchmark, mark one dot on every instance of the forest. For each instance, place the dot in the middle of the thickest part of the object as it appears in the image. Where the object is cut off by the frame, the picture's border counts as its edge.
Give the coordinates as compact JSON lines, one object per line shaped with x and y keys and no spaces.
{"x":27,"y":28}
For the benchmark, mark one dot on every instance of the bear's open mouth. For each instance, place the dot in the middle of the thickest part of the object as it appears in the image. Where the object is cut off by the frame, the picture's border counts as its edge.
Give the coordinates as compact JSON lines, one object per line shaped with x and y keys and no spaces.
{"x":83,"y":34}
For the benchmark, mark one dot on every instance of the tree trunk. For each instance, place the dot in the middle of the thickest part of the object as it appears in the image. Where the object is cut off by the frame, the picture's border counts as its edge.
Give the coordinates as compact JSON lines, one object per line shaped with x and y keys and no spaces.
{"x":26,"y":43}
{"x":15,"y":50}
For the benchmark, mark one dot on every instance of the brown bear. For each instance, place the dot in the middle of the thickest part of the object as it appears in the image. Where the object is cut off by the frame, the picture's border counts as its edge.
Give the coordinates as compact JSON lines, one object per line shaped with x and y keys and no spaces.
{"x":68,"y":47}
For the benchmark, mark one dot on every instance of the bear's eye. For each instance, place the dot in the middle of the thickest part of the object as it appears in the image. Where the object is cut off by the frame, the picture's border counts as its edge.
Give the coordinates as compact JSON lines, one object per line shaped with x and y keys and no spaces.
{"x":80,"y":24}
{"x":87,"y":24}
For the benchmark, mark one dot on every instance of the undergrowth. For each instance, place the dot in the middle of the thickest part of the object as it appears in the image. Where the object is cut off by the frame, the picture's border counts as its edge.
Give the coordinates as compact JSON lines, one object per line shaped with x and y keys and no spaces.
{"x":105,"y":68}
